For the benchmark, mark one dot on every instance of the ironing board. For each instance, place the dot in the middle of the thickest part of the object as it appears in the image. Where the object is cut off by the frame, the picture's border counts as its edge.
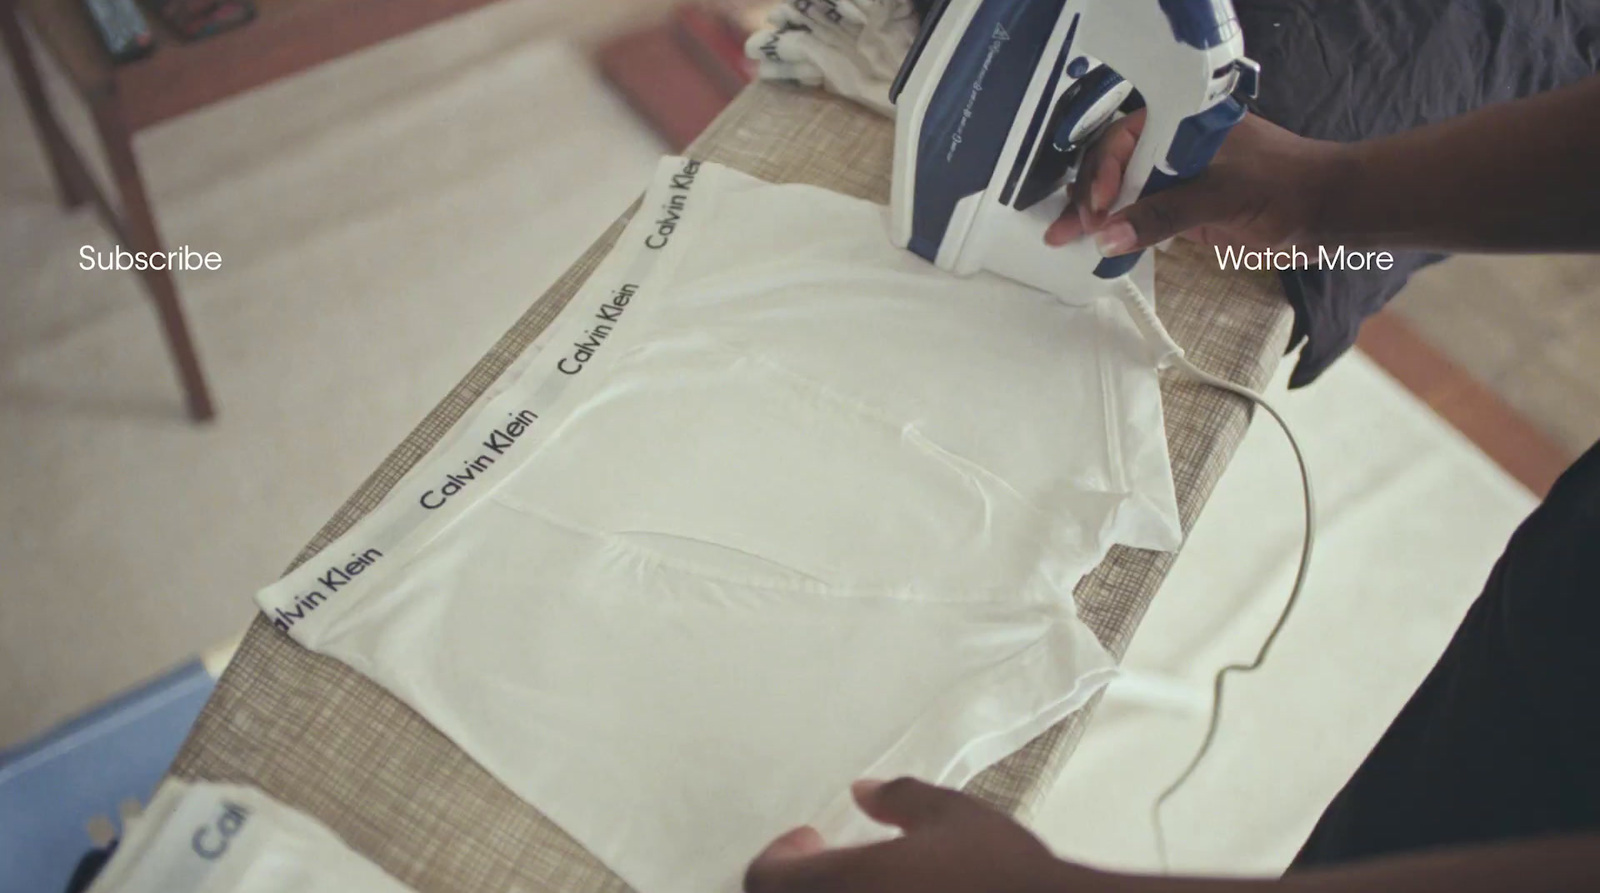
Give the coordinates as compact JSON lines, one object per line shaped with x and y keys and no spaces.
{"x":321,"y":737}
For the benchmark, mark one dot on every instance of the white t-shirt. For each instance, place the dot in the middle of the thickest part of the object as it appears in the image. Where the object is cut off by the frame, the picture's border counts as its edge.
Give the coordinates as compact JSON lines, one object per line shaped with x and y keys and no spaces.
{"x":773,"y":505}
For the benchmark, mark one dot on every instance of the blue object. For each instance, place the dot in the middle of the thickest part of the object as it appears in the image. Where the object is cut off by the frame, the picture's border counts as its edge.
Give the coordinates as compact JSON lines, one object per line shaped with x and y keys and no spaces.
{"x":52,"y":786}
{"x":1199,"y":137}
{"x":930,"y":20}
{"x":1201,"y":23}
{"x":1020,"y":165}
{"x":970,"y":114}
{"x":1078,"y":67}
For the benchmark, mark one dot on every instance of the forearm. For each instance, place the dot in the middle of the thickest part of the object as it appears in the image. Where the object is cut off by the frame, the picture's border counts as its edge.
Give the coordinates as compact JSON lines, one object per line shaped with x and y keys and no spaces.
{"x":1562,"y":863}
{"x":1516,"y":176}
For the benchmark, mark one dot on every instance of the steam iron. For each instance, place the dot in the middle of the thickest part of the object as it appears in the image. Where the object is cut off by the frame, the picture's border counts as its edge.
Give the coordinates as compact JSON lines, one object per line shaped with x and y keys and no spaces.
{"x":998,"y":101}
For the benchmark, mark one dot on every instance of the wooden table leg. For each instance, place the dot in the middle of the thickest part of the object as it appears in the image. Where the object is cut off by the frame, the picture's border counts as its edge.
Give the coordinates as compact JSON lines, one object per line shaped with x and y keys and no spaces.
{"x":139,"y":228}
{"x":69,"y":187}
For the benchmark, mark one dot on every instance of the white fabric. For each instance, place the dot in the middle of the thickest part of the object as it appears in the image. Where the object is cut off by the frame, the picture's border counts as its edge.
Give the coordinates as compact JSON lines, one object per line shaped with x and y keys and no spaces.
{"x":850,"y":47}
{"x":773,"y":506}
{"x":220,"y":838}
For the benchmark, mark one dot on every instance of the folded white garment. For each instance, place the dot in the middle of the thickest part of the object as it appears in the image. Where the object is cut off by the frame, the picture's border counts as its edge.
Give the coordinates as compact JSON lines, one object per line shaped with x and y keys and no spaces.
{"x":201,"y":837}
{"x":772,"y":506}
{"x":850,"y":47}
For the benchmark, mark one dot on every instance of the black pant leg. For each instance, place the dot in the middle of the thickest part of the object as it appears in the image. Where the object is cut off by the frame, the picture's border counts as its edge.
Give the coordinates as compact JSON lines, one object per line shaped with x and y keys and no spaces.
{"x":1502,"y":740}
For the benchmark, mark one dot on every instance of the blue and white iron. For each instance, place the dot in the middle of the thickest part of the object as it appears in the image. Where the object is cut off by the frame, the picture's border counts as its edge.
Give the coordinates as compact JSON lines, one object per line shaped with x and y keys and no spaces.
{"x":998,"y":100}
{"x":995,"y":106}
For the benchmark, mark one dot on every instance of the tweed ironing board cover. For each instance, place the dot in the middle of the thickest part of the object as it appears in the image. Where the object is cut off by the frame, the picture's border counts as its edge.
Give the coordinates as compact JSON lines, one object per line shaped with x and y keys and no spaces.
{"x":321,"y":737}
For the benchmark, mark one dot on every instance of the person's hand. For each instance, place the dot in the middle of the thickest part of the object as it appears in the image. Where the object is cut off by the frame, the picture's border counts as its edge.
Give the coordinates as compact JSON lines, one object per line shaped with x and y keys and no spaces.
{"x":1266,"y":188}
{"x":952,"y":844}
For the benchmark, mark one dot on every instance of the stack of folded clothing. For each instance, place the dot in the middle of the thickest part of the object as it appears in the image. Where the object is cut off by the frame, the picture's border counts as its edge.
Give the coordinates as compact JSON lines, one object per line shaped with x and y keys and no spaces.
{"x":850,"y":47}
{"x":200,"y":837}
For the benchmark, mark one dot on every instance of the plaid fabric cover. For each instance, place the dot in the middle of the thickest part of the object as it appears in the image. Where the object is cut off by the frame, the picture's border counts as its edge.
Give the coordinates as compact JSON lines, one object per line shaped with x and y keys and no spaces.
{"x":325,"y":739}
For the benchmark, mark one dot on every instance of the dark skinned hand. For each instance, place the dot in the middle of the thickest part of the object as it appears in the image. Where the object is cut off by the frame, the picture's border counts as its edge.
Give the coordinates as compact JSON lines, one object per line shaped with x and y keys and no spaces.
{"x":952,"y":843}
{"x":1266,"y":188}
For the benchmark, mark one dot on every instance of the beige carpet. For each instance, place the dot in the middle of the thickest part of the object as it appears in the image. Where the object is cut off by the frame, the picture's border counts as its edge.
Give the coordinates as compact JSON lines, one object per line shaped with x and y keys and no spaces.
{"x":1527,"y":327}
{"x":381,"y":221}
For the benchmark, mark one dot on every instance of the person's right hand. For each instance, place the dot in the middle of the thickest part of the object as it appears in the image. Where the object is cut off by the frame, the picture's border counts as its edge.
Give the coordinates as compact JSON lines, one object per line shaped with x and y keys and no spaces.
{"x":952,"y":843}
{"x":1266,"y":188}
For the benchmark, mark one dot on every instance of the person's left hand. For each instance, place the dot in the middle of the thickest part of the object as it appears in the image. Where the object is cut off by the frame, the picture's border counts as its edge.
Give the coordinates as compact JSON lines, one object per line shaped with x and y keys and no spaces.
{"x":952,"y":844}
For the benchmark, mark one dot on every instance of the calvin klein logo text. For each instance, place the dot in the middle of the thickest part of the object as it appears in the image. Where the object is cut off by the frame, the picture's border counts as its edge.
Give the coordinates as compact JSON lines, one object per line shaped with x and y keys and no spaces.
{"x":829,"y":9}
{"x":672,"y":209}
{"x":499,"y":440}
{"x":211,"y":840}
{"x":334,"y":579}
{"x":610,"y":311}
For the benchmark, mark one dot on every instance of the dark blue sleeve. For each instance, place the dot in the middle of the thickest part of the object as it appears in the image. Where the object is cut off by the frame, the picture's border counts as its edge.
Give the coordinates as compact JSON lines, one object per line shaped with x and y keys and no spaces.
{"x":1356,"y":69}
